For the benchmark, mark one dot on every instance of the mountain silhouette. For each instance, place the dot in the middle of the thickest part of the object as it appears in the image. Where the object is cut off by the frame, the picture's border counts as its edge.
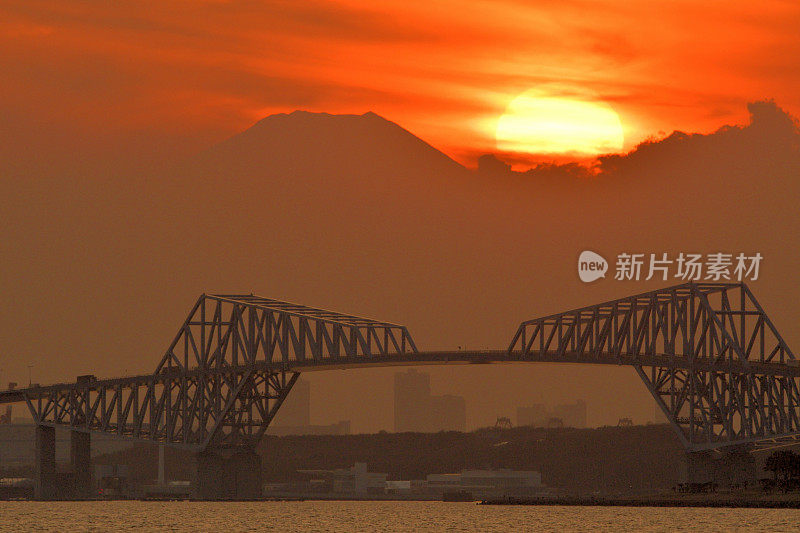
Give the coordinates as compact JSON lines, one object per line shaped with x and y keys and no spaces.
{"x":320,"y":184}
{"x":302,"y":140}
{"x":361,"y":158}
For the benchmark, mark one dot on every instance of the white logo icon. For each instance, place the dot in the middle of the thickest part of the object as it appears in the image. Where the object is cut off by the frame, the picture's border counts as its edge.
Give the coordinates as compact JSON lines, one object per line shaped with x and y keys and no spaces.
{"x":591,"y":266}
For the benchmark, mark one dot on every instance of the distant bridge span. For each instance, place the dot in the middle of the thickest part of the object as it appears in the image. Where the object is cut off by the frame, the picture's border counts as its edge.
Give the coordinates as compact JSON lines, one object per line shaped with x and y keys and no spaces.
{"x":707,"y":352}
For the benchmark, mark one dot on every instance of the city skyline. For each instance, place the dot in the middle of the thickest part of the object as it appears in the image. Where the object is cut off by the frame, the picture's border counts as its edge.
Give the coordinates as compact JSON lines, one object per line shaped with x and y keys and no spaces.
{"x":417,"y":410}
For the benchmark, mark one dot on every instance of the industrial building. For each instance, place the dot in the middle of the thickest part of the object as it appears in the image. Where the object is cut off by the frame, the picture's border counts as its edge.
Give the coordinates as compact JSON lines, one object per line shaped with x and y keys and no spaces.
{"x":487,"y":483}
{"x":358,"y":481}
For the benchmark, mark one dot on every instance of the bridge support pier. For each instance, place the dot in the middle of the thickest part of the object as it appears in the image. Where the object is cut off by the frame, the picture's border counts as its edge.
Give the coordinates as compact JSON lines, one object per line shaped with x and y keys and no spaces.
{"x":228,"y":475}
{"x":81,"y":461}
{"x":45,"y":486}
{"x":53,"y":485}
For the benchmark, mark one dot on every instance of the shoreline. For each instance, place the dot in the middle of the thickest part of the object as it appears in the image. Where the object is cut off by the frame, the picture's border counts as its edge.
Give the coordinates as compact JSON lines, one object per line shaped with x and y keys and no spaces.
{"x":711,"y":502}
{"x":787,"y":502}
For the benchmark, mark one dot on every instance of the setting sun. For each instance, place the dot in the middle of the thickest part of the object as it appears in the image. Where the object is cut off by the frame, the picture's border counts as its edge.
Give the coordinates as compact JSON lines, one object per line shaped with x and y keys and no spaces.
{"x":535,"y":124}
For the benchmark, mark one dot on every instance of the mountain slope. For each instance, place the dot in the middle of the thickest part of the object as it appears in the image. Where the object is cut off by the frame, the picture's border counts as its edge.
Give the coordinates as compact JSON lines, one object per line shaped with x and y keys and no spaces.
{"x":305,"y":150}
{"x":324,"y":141}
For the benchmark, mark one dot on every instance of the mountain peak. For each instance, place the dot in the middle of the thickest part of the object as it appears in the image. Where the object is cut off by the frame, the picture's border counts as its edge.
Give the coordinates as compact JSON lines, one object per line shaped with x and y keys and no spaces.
{"x":338,"y":142}
{"x":309,"y":116}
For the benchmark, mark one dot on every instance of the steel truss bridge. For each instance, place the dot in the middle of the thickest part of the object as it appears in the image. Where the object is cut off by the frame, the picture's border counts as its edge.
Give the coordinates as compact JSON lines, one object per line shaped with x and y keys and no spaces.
{"x":707,"y":352}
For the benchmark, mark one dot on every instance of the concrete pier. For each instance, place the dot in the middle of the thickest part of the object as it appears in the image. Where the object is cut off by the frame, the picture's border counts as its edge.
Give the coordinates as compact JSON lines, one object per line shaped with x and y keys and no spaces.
{"x":51,"y":484}
{"x":162,"y":478}
{"x":81,"y":462}
{"x":227,"y":475}
{"x":45,"y":486}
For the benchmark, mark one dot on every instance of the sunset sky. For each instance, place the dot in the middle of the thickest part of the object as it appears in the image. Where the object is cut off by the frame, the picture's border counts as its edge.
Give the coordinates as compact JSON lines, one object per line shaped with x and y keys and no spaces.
{"x":177,"y":76}
{"x":127,"y":191}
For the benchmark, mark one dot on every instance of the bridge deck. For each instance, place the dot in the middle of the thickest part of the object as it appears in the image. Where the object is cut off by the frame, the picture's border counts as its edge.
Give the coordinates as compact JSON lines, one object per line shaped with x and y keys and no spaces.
{"x":458,"y":357}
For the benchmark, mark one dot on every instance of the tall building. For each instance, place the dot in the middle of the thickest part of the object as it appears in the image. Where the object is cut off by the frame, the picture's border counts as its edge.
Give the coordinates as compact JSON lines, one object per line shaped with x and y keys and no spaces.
{"x":412,"y":391}
{"x":415,"y":409}
{"x":294,"y":416}
{"x":572,"y":414}
{"x":296,"y":409}
{"x":658,"y":415}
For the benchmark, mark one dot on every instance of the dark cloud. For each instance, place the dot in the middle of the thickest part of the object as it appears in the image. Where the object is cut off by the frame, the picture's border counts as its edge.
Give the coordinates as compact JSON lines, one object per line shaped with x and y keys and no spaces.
{"x":770,"y":142}
{"x":772,"y":137}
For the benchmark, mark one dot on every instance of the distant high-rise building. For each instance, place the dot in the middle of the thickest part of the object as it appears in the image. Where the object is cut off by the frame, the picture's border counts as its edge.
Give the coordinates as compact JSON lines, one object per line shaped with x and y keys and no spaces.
{"x":296,"y":408}
{"x":448,"y":413}
{"x":658,"y":415}
{"x":573,"y":414}
{"x":415,"y":409}
{"x":294,"y":416}
{"x":412,"y":392}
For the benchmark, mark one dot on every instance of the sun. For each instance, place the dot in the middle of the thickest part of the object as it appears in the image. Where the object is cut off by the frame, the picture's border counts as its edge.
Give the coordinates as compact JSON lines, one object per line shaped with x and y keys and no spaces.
{"x":535,"y":123}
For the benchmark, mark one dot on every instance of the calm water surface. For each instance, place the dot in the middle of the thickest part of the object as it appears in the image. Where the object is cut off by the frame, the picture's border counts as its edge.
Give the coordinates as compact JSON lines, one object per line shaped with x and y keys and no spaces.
{"x":377,"y":516}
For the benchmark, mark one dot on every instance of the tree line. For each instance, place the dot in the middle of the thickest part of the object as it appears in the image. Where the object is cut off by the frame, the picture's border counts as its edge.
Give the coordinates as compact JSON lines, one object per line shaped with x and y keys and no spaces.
{"x":785,"y":468}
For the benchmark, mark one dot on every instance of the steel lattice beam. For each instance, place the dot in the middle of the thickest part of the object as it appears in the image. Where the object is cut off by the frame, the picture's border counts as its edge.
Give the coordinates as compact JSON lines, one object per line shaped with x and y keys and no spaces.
{"x":192,"y":410}
{"x":231,"y":330}
{"x":708,"y":353}
{"x":223,"y":377}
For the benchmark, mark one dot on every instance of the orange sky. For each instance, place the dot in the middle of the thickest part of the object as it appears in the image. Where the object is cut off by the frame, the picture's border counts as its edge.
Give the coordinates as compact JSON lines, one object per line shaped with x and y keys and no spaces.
{"x":108,"y":260}
{"x":184,"y":74}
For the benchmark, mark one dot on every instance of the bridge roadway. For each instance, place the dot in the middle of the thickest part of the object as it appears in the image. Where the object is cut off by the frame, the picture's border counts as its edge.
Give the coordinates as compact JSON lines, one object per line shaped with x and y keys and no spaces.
{"x":455,"y":357}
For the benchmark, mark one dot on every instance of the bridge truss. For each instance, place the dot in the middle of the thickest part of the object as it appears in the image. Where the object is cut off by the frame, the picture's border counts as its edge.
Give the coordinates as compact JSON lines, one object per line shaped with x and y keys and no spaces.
{"x":223,"y":377}
{"x":708,"y":353}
